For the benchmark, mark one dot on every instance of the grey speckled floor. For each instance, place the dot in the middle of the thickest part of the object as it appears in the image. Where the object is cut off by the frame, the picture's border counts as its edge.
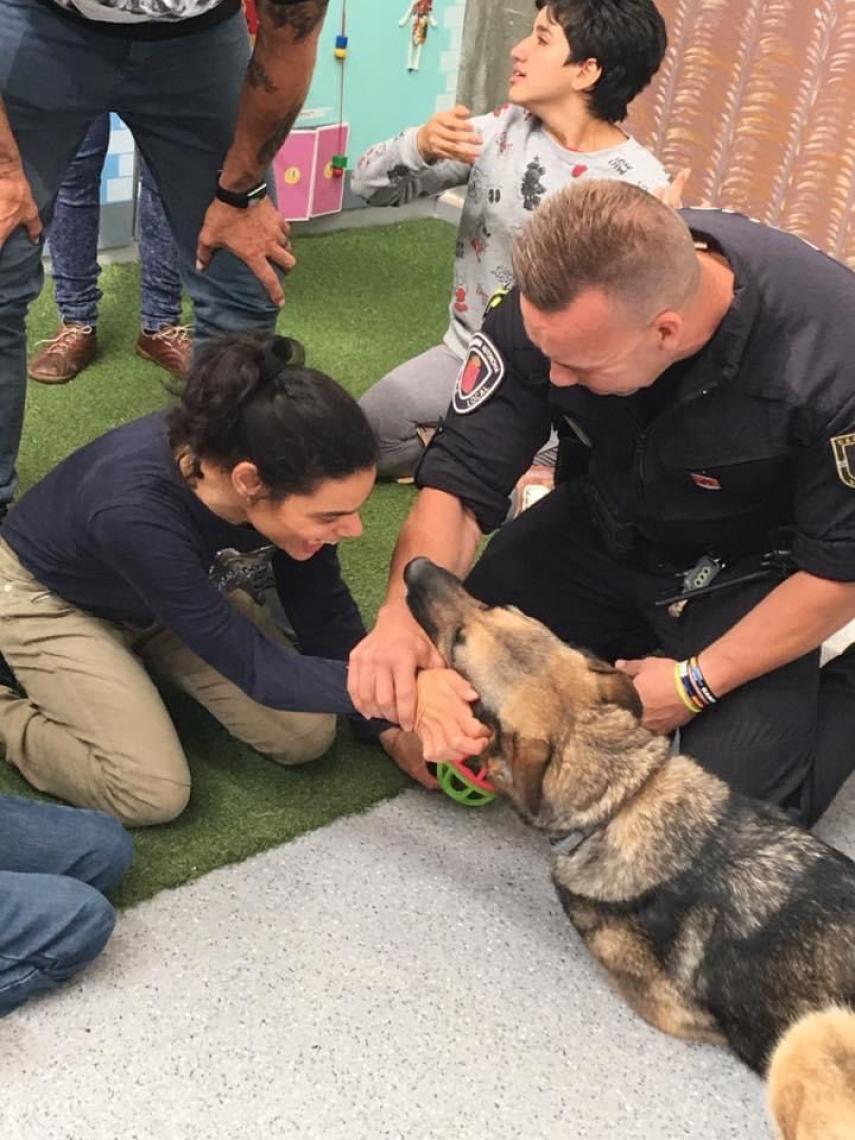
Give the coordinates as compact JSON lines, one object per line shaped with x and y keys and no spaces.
{"x":402,"y":974}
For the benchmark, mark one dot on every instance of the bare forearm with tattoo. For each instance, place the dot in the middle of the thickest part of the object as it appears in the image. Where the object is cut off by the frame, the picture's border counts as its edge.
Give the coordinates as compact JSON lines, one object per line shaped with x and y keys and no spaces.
{"x":17,"y":205}
{"x":9,"y":156}
{"x":276,"y":83}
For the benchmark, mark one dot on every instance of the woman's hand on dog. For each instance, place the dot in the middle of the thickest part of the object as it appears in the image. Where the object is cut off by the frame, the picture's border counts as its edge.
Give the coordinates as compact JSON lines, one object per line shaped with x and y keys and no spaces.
{"x":405,"y":748}
{"x":445,"y":723}
{"x":653,"y":678}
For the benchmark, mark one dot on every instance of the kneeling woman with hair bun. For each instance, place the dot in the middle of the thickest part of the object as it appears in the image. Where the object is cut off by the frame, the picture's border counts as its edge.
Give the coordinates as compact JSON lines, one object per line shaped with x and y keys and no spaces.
{"x":148,"y":550}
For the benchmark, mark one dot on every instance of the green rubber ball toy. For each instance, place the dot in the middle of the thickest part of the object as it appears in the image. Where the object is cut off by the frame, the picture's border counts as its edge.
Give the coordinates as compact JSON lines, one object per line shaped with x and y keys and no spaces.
{"x":465,"y":785}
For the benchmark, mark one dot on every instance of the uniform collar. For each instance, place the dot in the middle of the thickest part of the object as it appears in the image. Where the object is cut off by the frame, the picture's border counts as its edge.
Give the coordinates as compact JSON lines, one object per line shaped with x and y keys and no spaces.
{"x":720,"y":359}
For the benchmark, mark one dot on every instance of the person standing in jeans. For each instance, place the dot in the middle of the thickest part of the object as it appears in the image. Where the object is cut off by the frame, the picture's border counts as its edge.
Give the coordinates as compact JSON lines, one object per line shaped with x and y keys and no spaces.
{"x":74,"y":258}
{"x":208,"y":113}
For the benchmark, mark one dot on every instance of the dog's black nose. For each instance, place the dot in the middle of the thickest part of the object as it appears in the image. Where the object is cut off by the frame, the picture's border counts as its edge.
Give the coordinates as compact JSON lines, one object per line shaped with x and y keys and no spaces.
{"x":416,"y":570}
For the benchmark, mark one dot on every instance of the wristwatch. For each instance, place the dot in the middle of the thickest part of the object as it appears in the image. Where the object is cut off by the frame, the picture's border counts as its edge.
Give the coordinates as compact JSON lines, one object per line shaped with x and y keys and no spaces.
{"x":240,"y":199}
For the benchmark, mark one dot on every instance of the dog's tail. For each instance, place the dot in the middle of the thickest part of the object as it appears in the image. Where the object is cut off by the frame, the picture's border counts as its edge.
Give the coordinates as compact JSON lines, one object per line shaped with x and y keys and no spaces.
{"x":812,"y":1078}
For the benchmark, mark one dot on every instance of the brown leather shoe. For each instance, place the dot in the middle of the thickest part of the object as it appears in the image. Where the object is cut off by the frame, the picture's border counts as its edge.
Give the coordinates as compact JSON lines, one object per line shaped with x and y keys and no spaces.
{"x":170,"y":347}
{"x":64,"y":354}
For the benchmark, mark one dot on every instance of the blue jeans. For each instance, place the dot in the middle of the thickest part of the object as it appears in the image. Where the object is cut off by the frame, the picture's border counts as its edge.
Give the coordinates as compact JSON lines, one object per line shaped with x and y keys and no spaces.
{"x":55,"y":862}
{"x":179,"y":97}
{"x":73,"y":240}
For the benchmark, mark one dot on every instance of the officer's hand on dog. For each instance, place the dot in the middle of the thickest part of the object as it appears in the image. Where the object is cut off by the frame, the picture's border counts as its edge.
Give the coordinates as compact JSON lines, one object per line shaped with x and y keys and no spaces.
{"x":449,"y":134}
{"x":406,"y":750}
{"x":444,"y":720}
{"x":381,"y":674}
{"x":653,"y":678}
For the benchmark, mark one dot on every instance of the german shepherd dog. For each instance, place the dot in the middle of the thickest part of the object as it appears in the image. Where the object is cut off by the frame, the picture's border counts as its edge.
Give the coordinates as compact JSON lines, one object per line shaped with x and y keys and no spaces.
{"x":717,"y":919}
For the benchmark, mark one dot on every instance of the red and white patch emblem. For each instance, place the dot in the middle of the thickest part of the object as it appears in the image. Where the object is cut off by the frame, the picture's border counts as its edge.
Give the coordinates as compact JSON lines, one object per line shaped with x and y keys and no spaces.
{"x":705,"y":482}
{"x":480,"y":376}
{"x":578,"y":170}
{"x":470,"y":375}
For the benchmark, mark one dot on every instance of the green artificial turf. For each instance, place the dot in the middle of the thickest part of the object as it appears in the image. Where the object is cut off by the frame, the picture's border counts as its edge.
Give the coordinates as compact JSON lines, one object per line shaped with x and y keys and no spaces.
{"x":361,"y":301}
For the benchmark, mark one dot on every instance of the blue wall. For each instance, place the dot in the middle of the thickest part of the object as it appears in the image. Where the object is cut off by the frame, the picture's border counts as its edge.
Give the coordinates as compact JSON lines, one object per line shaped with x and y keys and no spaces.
{"x":380,"y":96}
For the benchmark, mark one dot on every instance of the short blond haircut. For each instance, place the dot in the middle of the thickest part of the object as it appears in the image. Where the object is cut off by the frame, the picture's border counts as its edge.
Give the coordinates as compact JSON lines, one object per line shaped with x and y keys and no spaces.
{"x":610,"y":236}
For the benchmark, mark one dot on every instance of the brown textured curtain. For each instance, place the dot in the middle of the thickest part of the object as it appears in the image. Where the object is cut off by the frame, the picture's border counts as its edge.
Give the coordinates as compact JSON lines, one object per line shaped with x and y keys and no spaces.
{"x":756,"y":96}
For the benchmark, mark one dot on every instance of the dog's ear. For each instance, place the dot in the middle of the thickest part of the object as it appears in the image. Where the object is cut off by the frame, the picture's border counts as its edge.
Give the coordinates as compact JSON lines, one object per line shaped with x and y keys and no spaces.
{"x":615,"y":688}
{"x":529,"y":762}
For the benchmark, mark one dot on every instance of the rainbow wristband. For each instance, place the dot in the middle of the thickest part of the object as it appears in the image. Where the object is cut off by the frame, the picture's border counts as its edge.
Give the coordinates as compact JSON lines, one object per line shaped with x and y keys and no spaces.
{"x":698,"y":680}
{"x":691,"y":692}
{"x":684,"y":692}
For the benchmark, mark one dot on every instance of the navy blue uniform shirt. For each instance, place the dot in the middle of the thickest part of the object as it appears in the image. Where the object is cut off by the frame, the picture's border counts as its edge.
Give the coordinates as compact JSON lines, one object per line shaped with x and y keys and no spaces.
{"x":753,"y":433}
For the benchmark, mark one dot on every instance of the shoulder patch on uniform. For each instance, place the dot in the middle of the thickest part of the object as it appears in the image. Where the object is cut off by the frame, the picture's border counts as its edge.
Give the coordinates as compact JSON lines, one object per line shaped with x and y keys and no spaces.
{"x":481,"y":374}
{"x":496,"y":299}
{"x":843,"y":447}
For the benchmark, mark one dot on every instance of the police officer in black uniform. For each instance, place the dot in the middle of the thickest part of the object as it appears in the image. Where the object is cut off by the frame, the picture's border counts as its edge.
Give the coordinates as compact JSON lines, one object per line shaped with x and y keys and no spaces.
{"x":702,"y":532}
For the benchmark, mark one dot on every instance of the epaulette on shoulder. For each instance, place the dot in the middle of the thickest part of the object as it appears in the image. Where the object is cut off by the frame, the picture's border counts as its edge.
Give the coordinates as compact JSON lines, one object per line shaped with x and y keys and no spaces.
{"x":497,"y":299}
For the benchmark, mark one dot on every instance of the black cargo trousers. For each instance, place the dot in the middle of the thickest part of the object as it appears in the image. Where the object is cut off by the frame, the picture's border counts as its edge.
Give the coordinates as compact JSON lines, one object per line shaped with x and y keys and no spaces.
{"x":787,"y":737}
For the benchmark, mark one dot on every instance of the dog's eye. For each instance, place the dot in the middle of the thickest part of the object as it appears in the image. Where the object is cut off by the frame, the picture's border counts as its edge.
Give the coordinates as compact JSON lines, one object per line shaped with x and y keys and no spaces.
{"x":459,"y":637}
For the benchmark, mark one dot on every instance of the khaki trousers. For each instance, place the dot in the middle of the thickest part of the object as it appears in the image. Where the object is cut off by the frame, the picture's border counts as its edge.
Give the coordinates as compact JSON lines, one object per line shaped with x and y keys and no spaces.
{"x":93,"y":729}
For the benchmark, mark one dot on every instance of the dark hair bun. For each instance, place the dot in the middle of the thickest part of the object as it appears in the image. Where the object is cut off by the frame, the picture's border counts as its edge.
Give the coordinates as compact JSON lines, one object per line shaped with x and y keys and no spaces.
{"x":289,"y":350}
{"x":282,"y":352}
{"x":248,"y":396}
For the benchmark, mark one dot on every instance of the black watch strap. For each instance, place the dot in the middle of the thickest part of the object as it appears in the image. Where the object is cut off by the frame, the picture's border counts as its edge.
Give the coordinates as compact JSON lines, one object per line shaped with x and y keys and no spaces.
{"x":240,"y":199}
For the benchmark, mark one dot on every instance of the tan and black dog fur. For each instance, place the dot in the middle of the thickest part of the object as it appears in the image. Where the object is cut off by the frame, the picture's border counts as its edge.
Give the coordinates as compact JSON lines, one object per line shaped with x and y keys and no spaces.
{"x":717,"y":919}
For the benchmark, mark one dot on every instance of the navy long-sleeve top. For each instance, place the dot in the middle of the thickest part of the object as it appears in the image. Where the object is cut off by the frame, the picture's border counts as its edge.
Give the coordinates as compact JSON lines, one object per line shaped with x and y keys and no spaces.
{"x":116,"y":530}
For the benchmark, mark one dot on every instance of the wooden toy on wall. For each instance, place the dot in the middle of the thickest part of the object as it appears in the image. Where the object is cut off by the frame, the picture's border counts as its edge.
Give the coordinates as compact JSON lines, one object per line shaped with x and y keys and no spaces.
{"x":339,"y":160}
{"x":421,"y":17}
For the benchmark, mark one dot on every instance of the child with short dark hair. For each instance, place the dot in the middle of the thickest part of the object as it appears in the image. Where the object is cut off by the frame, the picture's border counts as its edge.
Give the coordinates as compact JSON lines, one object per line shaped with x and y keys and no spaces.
{"x":572,"y":80}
